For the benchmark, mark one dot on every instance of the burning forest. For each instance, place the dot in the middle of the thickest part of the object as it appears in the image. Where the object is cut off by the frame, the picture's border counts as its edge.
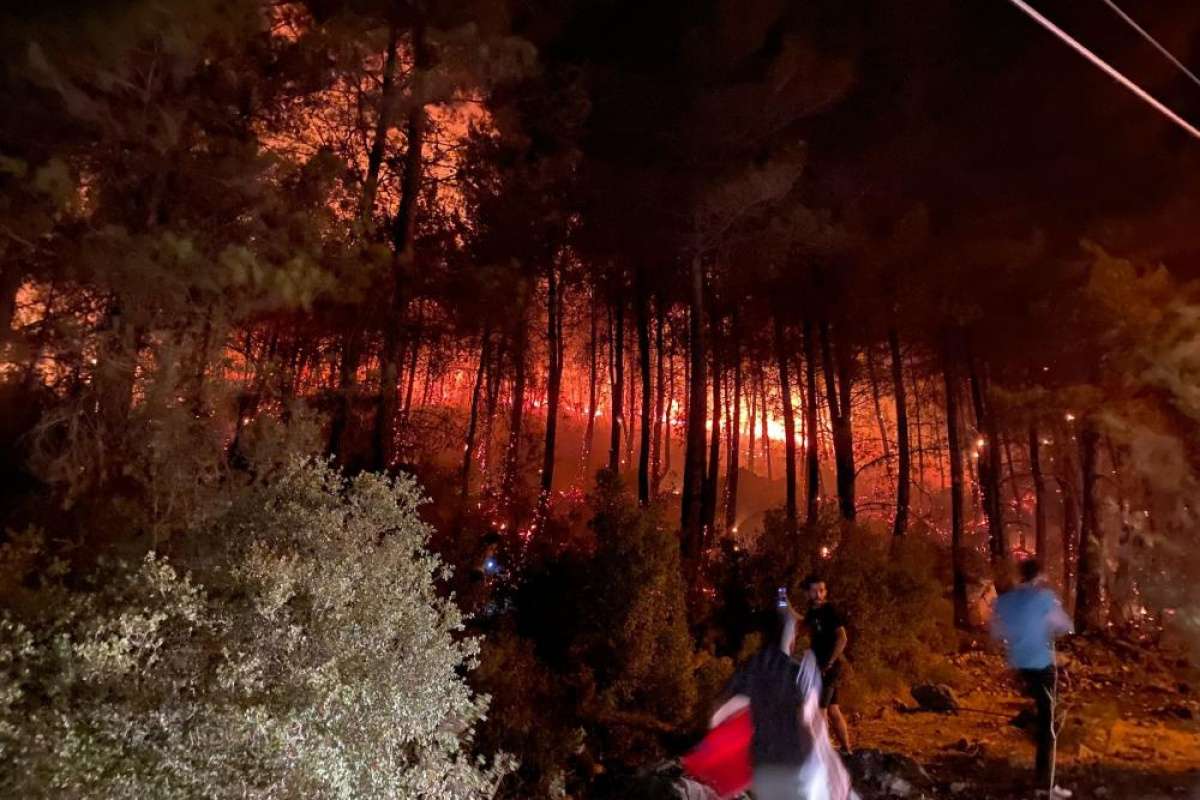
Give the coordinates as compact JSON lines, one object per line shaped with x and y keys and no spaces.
{"x":453,"y":399}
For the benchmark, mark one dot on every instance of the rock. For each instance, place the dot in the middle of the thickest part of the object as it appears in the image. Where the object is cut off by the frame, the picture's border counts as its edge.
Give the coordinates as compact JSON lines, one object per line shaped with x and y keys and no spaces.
{"x":935,"y":697}
{"x":1089,"y":726}
{"x":970,"y":748}
{"x":1176,"y":711}
{"x":888,"y":773}
{"x":1100,"y":791}
{"x":958,"y":787}
{"x":1026,"y":718}
{"x":688,"y":789}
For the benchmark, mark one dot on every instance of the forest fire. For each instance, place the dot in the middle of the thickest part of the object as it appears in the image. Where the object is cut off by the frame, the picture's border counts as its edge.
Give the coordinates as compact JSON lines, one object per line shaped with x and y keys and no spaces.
{"x":496,"y":400}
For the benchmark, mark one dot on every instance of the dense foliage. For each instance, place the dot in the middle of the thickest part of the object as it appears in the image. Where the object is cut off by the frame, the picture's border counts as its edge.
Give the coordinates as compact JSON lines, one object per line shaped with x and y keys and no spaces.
{"x":305,"y":652}
{"x":801,"y":279}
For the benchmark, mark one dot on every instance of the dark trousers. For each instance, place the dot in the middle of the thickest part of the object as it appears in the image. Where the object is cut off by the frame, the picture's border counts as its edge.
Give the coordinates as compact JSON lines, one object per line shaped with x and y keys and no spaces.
{"x":1039,"y":684}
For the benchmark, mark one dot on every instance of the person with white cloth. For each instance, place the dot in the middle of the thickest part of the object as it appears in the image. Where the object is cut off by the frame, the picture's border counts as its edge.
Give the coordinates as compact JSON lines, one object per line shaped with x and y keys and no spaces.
{"x":791,"y":754}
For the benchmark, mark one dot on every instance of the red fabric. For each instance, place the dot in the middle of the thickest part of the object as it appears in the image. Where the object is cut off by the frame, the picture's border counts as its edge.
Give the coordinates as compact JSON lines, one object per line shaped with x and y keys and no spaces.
{"x":722,"y":759}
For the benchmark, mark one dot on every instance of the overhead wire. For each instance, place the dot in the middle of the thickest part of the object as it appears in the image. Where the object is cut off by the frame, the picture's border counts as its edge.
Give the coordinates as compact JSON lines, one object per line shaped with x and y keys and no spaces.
{"x":1107,"y":68}
{"x":1153,"y":42}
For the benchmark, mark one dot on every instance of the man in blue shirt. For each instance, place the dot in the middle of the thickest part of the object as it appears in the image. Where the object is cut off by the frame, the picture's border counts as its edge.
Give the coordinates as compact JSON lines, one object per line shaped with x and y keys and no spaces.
{"x":1028,"y":619}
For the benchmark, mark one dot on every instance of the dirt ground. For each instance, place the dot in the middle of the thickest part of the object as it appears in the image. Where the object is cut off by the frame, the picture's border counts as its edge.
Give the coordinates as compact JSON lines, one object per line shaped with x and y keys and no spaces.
{"x":1130,"y":729}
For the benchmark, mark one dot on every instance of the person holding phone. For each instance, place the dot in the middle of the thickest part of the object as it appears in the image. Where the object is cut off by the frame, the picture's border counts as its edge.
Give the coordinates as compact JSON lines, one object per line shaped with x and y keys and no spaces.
{"x":827,"y":630}
{"x":790,"y":753}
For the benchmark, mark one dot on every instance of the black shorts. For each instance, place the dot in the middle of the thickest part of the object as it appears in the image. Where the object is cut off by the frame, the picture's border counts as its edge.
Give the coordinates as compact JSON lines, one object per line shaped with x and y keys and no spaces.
{"x":829,"y":685}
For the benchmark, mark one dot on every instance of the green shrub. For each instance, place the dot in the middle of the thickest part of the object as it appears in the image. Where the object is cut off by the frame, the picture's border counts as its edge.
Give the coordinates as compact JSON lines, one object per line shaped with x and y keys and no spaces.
{"x":530,"y":715}
{"x":633,"y":619}
{"x":599,"y":672}
{"x":892,"y":591}
{"x":307,"y":655}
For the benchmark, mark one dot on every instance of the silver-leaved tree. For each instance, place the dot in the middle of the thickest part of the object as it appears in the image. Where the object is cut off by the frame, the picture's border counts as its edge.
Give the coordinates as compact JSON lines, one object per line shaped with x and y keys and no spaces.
{"x":305,"y":654}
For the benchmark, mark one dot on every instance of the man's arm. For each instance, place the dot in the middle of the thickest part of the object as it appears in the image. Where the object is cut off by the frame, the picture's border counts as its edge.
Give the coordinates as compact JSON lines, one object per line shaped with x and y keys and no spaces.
{"x":1060,"y":623}
{"x":839,"y":646}
{"x":730,"y":707}
{"x":997,"y":628}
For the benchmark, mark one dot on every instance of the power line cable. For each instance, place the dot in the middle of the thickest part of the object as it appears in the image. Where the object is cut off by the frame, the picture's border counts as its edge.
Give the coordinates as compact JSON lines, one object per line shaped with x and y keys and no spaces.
{"x":1154,"y":42}
{"x":1107,"y":68}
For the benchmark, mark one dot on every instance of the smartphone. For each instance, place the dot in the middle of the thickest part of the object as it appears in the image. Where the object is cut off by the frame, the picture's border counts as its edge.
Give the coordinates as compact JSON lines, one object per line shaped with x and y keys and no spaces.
{"x":782,"y":600}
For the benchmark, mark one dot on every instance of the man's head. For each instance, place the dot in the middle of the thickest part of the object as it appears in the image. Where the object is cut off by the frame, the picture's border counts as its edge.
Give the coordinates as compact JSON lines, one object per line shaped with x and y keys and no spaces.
{"x":1030,"y":570}
{"x":814,"y":585}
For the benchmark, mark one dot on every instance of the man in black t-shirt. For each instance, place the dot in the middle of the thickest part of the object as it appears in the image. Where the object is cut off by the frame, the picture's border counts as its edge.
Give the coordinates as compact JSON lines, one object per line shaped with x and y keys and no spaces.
{"x":827,"y":632}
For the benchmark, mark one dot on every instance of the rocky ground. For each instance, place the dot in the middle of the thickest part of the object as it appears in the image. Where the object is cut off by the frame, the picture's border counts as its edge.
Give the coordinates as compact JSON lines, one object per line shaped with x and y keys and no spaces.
{"x":1130,"y":729}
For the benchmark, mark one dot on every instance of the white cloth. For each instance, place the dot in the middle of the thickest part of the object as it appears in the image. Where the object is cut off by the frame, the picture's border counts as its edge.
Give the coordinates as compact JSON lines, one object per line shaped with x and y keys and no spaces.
{"x":822,"y":776}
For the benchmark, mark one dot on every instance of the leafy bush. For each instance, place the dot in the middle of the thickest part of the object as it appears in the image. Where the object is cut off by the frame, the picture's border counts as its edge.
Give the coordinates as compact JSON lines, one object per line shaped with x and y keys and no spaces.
{"x":599,"y":672}
{"x":893,"y":592}
{"x":633,"y":620}
{"x":306,"y":655}
{"x":532,"y":715}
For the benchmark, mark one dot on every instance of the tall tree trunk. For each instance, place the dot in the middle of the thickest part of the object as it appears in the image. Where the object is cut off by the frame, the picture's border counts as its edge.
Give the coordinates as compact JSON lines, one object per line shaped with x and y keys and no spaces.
{"x":789,"y":425}
{"x":831,"y":396}
{"x":670,"y":411}
{"x":339,"y":424}
{"x":847,"y":475}
{"x":630,"y":418}
{"x":589,"y":431}
{"x":660,"y":387}
{"x":750,"y":424}
{"x":403,"y":262}
{"x":200,"y":358}
{"x":903,"y":476}
{"x":554,"y":359}
{"x":116,"y":369}
{"x":1070,"y":537}
{"x":512,"y":452}
{"x":387,"y":106}
{"x":954,"y":451}
{"x":351,"y":345}
{"x":1039,"y":495}
{"x":473,"y":417}
{"x":431,"y":367}
{"x":726,"y":398}
{"x":693,"y":470}
{"x":1013,"y":487}
{"x":1090,"y":613}
{"x":1122,"y":578}
{"x":874,"y":379}
{"x":735,"y":431}
{"x":839,"y":413}
{"x":618,"y":385}
{"x":714,"y":443}
{"x":492,"y":400}
{"x":916,"y":384}
{"x":643,"y":337}
{"x":989,"y":464}
{"x":414,"y":355}
{"x":766,"y":429}
{"x":812,"y":448}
